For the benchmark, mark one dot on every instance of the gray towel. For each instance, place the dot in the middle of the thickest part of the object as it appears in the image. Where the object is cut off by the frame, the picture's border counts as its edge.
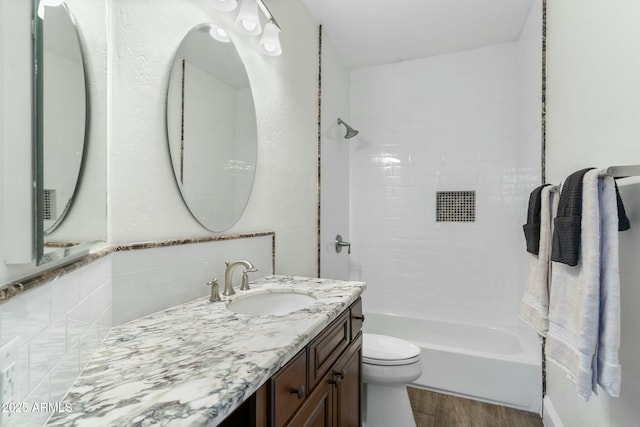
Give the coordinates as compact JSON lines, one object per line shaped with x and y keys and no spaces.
{"x":566,"y":234}
{"x":532,"y":227}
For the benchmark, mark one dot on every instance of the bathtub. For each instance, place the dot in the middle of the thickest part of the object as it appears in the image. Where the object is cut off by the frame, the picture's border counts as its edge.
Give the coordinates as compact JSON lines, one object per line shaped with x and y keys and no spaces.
{"x":494,"y":365}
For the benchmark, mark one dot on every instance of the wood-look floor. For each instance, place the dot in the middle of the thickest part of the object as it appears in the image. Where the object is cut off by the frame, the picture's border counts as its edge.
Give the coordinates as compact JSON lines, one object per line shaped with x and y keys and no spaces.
{"x":441,"y":410}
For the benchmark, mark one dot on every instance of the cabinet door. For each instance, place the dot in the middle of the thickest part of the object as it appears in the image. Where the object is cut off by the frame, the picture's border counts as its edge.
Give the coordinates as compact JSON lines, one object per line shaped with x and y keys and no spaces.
{"x":289,"y":389}
{"x":317,"y":410}
{"x":348,"y":390}
{"x":327,"y":347}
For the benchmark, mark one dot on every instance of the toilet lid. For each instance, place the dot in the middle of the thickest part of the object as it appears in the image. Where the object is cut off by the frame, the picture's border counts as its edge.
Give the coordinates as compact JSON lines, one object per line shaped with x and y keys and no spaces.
{"x":386,"y":350}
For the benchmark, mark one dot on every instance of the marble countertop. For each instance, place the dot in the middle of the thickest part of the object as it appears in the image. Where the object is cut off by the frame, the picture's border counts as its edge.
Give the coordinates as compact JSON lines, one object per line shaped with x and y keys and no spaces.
{"x":193,"y":364}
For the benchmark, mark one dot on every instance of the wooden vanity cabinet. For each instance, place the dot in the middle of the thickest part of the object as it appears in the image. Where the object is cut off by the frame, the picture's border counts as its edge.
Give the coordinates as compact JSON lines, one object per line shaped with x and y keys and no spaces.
{"x":321,"y":386}
{"x":334,"y":377}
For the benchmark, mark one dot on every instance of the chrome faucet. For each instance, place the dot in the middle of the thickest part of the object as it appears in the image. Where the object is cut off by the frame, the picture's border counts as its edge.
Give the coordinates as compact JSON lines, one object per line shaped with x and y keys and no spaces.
{"x":228,"y":276}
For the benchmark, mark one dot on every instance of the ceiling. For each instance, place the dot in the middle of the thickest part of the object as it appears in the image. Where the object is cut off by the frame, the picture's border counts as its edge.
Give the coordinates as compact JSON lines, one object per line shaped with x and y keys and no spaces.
{"x":372,"y":32}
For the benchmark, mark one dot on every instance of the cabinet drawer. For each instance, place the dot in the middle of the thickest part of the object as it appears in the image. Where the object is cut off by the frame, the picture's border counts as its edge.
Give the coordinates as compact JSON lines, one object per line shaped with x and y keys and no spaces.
{"x":327,"y":347}
{"x":357,"y":318}
{"x":289,"y":388}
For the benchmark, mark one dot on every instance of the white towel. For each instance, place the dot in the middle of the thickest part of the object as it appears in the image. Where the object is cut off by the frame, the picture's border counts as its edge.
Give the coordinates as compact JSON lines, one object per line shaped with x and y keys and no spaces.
{"x":574,"y":299}
{"x":608,"y":367}
{"x":534,"y":307}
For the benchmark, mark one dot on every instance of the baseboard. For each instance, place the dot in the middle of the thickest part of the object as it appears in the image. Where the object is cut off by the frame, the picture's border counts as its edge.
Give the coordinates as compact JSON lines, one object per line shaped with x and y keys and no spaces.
{"x":550,"y":417}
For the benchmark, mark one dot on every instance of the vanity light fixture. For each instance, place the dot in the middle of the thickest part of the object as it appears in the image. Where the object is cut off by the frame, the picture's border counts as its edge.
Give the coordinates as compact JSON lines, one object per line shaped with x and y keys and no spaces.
{"x":219,"y":34}
{"x":224,"y":5}
{"x":269,"y":44}
{"x":248,"y":22}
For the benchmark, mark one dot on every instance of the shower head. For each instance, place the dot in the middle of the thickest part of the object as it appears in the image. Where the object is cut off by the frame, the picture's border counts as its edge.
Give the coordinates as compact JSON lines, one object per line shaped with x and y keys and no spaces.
{"x":351,"y":132}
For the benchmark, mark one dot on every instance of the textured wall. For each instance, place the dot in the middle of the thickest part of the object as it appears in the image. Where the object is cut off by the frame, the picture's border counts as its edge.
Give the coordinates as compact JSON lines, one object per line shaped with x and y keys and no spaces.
{"x":335,"y":163}
{"x":145,"y":201}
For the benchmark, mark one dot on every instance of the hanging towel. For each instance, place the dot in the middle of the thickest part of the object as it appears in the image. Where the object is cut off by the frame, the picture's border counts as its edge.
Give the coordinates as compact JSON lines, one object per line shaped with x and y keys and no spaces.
{"x":532,"y":227}
{"x":608,"y":367}
{"x":566,"y":232}
{"x":534,"y":308}
{"x":574,"y":301}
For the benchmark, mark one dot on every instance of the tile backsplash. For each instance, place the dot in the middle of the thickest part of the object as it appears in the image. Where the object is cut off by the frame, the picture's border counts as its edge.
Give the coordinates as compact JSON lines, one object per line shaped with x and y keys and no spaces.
{"x":51,"y":332}
{"x":146,"y":281}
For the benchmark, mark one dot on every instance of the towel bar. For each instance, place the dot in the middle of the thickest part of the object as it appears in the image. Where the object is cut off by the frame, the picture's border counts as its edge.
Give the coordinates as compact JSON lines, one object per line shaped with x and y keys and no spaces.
{"x":623,"y":171}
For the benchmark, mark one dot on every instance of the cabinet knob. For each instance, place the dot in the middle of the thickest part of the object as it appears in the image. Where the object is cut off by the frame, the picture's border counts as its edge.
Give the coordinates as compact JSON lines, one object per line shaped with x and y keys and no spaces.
{"x":298,"y":391}
{"x":360,"y":317}
{"x":336,"y":377}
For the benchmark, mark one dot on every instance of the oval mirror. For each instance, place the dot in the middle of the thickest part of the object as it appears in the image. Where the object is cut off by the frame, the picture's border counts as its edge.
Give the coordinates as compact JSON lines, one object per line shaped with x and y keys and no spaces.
{"x":211,"y":125}
{"x":64,"y":112}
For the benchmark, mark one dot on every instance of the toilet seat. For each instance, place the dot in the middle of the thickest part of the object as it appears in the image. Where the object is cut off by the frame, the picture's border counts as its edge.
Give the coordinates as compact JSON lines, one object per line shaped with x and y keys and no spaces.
{"x":384,"y":350}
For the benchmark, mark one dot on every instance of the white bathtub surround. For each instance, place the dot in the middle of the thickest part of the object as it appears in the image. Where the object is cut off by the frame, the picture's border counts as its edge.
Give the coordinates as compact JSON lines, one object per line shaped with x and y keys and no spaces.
{"x":584,"y":306}
{"x":444,"y":123}
{"x":194,"y":363}
{"x":534,"y":307}
{"x":496,"y":365}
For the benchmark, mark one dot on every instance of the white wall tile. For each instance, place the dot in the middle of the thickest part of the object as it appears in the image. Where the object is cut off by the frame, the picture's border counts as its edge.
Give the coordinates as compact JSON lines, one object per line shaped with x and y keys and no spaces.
{"x":149,"y":280}
{"x":445,"y":123}
{"x":53,"y":322}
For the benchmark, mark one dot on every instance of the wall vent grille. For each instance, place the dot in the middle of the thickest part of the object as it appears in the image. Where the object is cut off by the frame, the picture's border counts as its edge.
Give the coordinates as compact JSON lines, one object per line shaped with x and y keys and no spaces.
{"x":49,"y":205}
{"x":455,"y":206}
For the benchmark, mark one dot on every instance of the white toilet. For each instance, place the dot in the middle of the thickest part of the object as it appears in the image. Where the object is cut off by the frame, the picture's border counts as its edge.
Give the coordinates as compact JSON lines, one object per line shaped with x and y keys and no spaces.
{"x":388,"y":365}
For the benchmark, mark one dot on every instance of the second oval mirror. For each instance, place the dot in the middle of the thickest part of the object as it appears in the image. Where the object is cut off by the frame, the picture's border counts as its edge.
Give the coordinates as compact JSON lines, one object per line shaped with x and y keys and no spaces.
{"x":211,"y":124}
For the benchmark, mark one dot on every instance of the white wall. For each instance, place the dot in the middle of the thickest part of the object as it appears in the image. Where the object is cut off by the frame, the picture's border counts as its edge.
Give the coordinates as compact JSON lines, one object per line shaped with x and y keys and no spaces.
{"x":146,"y":281}
{"x":335,"y":163}
{"x":145,"y":202}
{"x":444,"y":123}
{"x":16,"y":181}
{"x":592,"y":120}
{"x":530,"y":90}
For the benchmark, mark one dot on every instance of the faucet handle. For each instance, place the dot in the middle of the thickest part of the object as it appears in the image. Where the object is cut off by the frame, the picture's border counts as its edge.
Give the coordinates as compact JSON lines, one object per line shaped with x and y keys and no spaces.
{"x":245,"y":278}
{"x":215,"y":290}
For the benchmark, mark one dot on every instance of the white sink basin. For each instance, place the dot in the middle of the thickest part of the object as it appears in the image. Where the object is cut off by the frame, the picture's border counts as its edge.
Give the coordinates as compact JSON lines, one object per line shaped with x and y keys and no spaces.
{"x":270,"y":303}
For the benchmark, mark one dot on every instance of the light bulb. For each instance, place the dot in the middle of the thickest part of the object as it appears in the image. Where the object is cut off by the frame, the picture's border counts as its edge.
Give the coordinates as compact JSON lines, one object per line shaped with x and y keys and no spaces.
{"x":249,"y":25}
{"x":269,"y":44}
{"x":248,"y":22}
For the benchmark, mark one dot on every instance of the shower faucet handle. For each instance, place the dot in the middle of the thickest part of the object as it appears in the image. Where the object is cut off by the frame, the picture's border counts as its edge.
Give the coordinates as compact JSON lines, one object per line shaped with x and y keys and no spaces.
{"x":341,"y":243}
